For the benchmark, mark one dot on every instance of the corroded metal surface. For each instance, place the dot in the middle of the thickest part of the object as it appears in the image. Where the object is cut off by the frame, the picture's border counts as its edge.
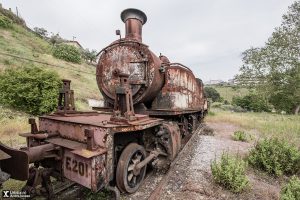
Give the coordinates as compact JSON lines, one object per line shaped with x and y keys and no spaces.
{"x":4,"y":155}
{"x":89,"y":172}
{"x":86,"y":147}
{"x":134,"y":19}
{"x":182,"y":91}
{"x":131,"y":58}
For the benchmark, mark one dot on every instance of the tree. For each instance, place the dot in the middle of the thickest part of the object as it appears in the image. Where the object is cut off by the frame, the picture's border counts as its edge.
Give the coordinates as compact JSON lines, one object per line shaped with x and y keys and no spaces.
{"x":252,"y":102}
{"x":89,"y":55}
{"x":212,"y":93}
{"x":41,"y":32}
{"x":274,"y":69}
{"x":30,"y":89}
{"x":55,"y":39}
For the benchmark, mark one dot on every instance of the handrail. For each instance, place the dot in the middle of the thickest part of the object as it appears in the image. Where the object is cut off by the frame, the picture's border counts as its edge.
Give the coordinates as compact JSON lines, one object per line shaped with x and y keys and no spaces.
{"x":181,"y":65}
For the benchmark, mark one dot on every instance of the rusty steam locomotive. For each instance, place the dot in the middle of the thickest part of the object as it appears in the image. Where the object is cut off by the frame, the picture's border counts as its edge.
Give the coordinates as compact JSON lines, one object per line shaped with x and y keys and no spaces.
{"x":151,"y":108}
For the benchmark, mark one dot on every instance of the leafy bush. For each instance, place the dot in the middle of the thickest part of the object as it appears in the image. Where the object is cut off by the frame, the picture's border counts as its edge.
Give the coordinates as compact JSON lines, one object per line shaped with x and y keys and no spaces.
{"x":252,"y":102}
{"x":12,"y":16}
{"x":291,"y":191}
{"x":32,"y":90}
{"x":230,"y":173}
{"x":275,"y":156}
{"x":212,"y":93}
{"x":226,"y":102}
{"x":5,"y":22}
{"x":89,"y":55}
{"x":67,"y":52}
{"x":240,"y":136}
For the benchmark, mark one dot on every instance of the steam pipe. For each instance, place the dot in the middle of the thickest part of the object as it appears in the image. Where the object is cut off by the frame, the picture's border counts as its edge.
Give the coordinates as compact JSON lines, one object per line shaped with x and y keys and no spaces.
{"x":134,"y":19}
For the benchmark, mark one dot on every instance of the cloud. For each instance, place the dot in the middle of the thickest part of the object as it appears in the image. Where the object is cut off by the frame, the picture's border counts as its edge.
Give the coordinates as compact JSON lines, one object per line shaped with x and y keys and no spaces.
{"x":207,"y":36}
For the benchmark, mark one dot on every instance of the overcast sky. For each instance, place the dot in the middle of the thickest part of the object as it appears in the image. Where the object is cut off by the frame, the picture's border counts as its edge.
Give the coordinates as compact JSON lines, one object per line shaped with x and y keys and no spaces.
{"x":206,"y":35}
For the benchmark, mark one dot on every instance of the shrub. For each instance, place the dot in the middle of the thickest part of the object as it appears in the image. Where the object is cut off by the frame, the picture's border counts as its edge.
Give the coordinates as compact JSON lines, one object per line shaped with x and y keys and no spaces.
{"x":275,"y":156}
{"x":5,"y":22}
{"x":67,"y":52}
{"x":226,"y":102}
{"x":216,"y":105}
{"x":41,"y":32}
{"x":252,"y":102}
{"x":212,"y":93}
{"x":230,"y":173}
{"x":240,"y":136}
{"x":13,"y":17}
{"x":89,"y":55}
{"x":291,"y":191}
{"x":32,"y":90}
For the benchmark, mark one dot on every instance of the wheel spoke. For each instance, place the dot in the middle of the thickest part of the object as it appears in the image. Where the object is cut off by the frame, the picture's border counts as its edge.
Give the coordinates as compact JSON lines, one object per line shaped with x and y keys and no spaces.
{"x":129,"y":178}
{"x":139,"y":158}
{"x":131,"y":167}
{"x":134,"y":180}
{"x":136,"y":158}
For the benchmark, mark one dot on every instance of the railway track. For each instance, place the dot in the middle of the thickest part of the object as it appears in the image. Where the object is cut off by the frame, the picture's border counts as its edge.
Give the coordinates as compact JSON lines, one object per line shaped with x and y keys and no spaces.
{"x":154,"y":184}
{"x":151,"y":189}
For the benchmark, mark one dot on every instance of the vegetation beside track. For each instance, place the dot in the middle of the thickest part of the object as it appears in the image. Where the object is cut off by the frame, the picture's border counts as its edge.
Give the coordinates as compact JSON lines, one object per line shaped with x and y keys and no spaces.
{"x":268,"y":124}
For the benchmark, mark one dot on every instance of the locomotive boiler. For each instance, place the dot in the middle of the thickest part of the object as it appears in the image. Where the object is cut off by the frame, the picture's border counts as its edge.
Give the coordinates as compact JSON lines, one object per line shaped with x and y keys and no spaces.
{"x":152,"y":106}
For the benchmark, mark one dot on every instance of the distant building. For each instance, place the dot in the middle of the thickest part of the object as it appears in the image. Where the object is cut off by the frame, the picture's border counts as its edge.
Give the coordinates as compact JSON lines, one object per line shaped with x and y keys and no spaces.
{"x":215,"y":82}
{"x":73,"y":43}
{"x":233,"y":81}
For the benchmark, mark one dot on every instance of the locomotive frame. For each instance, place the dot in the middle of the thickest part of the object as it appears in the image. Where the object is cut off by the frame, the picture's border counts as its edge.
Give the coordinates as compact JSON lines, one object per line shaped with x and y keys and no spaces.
{"x":149,"y":115}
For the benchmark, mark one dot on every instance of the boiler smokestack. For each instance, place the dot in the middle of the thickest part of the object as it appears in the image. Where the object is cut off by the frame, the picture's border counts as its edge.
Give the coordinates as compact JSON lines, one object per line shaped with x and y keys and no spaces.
{"x":134,"y":19}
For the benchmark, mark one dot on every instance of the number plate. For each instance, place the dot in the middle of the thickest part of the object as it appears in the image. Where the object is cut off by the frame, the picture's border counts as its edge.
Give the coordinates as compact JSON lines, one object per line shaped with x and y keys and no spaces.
{"x":77,"y":168}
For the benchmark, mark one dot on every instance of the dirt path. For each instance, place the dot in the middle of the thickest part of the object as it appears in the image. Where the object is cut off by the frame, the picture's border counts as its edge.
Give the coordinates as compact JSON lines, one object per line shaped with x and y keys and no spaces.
{"x":191,"y":178}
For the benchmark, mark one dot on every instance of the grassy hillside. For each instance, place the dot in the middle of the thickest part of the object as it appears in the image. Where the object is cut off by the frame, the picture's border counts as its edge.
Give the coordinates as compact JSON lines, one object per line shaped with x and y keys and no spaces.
{"x":18,"y":41}
{"x":227,"y":92}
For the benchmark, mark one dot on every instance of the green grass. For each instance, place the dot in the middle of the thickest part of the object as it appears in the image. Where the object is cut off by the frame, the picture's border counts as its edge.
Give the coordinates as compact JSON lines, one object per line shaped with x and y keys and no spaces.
{"x":275,"y":156}
{"x":20,"y":42}
{"x":11,"y":124}
{"x":229,"y":172}
{"x":240,"y":136}
{"x":291,"y":191}
{"x":228,"y":92}
{"x":268,"y":124}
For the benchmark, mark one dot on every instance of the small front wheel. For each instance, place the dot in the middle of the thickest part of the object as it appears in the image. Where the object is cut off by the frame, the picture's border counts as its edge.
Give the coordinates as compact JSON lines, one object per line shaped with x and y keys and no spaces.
{"x":128,"y":176}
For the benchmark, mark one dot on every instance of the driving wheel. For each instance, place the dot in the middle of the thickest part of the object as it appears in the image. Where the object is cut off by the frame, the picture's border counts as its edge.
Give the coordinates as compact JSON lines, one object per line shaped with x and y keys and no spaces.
{"x":128,"y":176}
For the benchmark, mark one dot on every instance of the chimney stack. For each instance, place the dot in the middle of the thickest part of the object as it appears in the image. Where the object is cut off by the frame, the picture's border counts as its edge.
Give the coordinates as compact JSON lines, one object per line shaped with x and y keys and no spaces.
{"x":134,"y":19}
